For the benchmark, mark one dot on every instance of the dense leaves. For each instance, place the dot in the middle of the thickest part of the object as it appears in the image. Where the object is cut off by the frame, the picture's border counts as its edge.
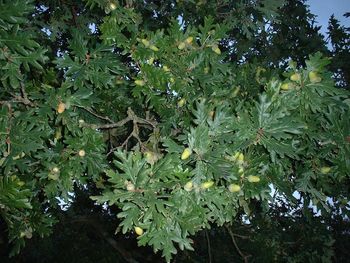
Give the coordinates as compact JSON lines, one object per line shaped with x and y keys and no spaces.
{"x":174,"y":117}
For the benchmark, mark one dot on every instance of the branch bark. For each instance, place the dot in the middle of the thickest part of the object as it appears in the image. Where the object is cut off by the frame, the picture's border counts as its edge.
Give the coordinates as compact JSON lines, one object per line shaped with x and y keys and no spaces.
{"x":244,"y":257}
{"x":94,"y":222}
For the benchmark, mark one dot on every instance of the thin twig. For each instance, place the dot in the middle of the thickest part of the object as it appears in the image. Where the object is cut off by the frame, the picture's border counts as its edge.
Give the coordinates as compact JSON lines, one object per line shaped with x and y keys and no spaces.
{"x":131,"y":117}
{"x":208,"y":244}
{"x":127,"y":140}
{"x":100,"y":230}
{"x":135,"y":134}
{"x":112,"y":125}
{"x":89,"y":110}
{"x":23,"y":98}
{"x":245,"y":257}
{"x":26,"y":101}
{"x":241,"y":236}
{"x":112,"y":150}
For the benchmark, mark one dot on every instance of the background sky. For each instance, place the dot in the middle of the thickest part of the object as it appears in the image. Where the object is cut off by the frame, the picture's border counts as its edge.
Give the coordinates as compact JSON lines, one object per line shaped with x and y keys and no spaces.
{"x":325,"y":8}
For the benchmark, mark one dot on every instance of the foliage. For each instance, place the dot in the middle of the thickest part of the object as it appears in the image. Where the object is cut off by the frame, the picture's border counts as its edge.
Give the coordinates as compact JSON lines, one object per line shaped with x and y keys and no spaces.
{"x":159,"y":115}
{"x":339,"y":36}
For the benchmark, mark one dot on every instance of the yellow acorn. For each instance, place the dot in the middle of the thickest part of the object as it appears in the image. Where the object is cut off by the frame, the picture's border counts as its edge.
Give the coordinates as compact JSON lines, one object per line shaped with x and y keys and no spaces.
{"x":314,"y":77}
{"x":189,"y":40}
{"x":188,"y":186}
{"x":148,"y":155}
{"x":58,"y":134}
{"x":172,"y":80}
{"x":240,"y":158}
{"x":19,"y":156}
{"x":81,"y":153}
{"x":20,"y":183}
{"x":166,"y":68}
{"x":181,"y":102}
{"x":112,"y":6}
{"x":206,"y":70}
{"x":150,"y":61}
{"x":186,"y":153}
{"x":235,"y":156}
{"x":14,"y":177}
{"x":234,"y":188}
{"x":253,"y":179}
{"x":236,"y":91}
{"x":61,"y":107}
{"x":285,"y":86}
{"x":53,"y":176}
{"x":145,"y":42}
{"x":154,"y":48}
{"x":138,"y":230}
{"x":151,"y":157}
{"x":325,"y":169}
{"x":207,"y":184}
{"x":181,"y":46}
{"x":216,"y":49}
{"x":28,"y":233}
{"x":295,"y":77}
{"x":130,"y":186}
{"x":139,"y":82}
{"x":211,"y":114}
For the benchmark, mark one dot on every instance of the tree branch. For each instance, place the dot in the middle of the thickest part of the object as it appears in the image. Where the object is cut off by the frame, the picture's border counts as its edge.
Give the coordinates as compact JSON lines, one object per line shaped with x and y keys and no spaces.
{"x":245,"y":257}
{"x":131,"y":117}
{"x":23,"y":98}
{"x":89,"y":110}
{"x":208,"y":244}
{"x":26,"y":101}
{"x":94,"y":222}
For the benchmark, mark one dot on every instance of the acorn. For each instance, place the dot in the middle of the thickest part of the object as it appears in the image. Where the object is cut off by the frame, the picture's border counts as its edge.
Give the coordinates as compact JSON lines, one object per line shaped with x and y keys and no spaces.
{"x":234,"y":188}
{"x":130,"y":186}
{"x":181,"y":102}
{"x":188,"y":186}
{"x":139,"y":82}
{"x":138,"y":230}
{"x":166,"y":68}
{"x":189,"y":40}
{"x":61,"y":107}
{"x":81,"y":153}
{"x":325,"y":169}
{"x":154,"y":48}
{"x":295,"y":77}
{"x":112,"y":6}
{"x":207,"y":184}
{"x":253,"y":179}
{"x":314,"y":77}
{"x":216,"y":49}
{"x":145,"y":42}
{"x":285,"y":86}
{"x":181,"y":46}
{"x":186,"y":153}
{"x":150,"y":61}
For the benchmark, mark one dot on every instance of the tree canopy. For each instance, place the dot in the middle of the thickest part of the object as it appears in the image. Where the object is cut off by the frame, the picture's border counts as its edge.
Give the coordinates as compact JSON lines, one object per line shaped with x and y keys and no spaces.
{"x":175,"y":123}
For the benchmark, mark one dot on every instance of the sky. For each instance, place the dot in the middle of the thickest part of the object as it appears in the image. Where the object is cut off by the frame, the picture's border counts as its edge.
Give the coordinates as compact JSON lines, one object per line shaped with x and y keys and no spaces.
{"x":325,"y":8}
